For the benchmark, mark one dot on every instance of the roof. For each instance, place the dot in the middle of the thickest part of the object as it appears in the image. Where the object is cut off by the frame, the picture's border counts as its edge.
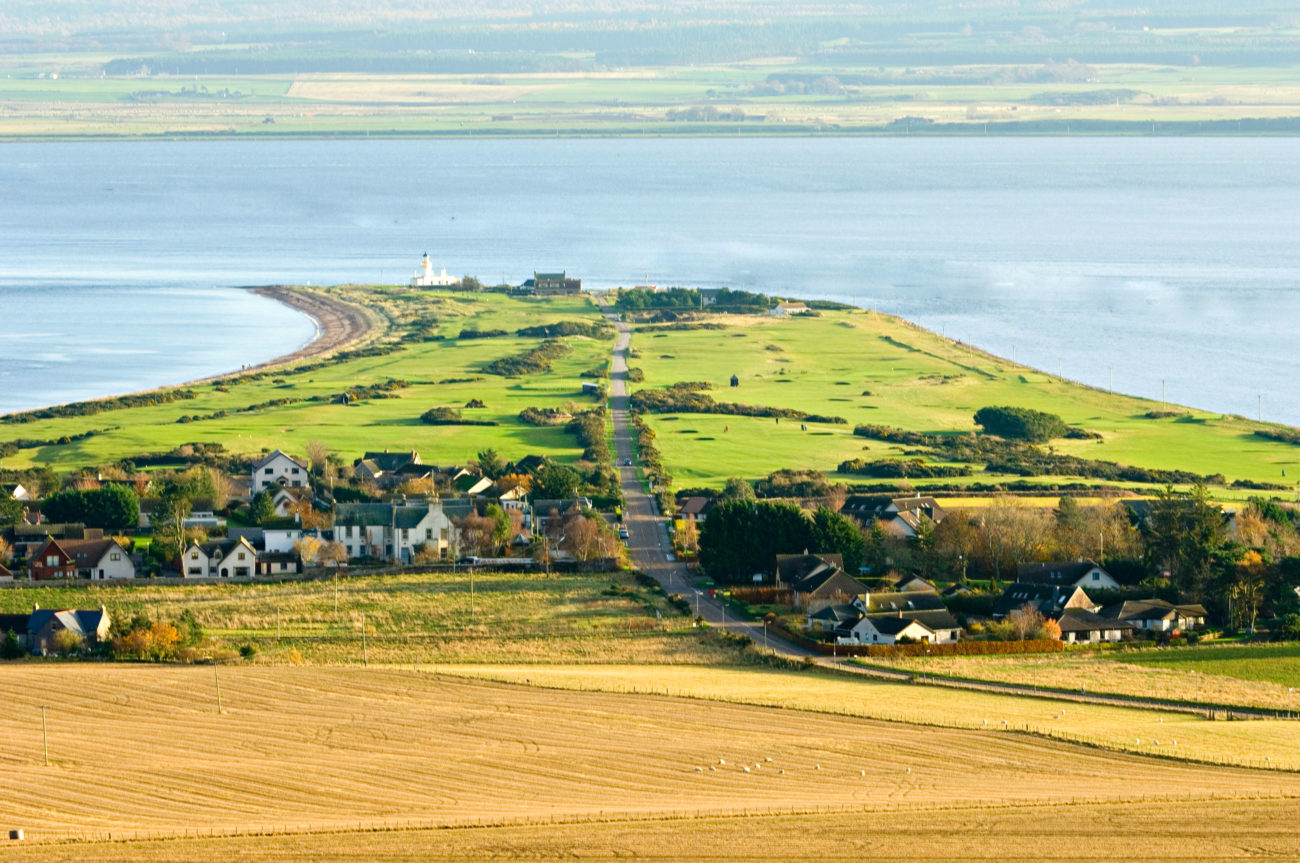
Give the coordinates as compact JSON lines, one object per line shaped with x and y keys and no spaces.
{"x":85,"y":553}
{"x":836,"y":614}
{"x":904,"y":601}
{"x":1082,"y":620}
{"x":1056,"y":572}
{"x":891,"y":624}
{"x":830,"y":581}
{"x":258,"y":465}
{"x":401,"y":516}
{"x":794,"y":568}
{"x":1150,"y":609}
{"x":913,"y":584}
{"x":81,"y":621}
{"x":1047,"y":598}
{"x":390,"y":461}
{"x":695,"y":506}
{"x":529,"y":463}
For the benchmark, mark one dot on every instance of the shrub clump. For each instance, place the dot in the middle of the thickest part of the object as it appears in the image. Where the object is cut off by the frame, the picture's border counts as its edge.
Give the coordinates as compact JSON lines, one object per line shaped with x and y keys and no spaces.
{"x":533,"y":361}
{"x":687,"y":397}
{"x":444,"y":416}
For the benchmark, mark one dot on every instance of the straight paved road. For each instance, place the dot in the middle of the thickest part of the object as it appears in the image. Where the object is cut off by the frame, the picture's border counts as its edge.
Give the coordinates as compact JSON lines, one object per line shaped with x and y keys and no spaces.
{"x":647,"y":529}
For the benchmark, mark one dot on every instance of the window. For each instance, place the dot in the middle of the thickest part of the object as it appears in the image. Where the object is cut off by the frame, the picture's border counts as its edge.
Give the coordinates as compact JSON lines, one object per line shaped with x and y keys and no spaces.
{"x":241,"y":555}
{"x":406,"y":534}
{"x":115,"y":556}
{"x":52,"y":560}
{"x":1096,"y":576}
{"x":444,"y":534}
{"x":428,"y":533}
{"x":296,"y":470}
{"x":269,"y":471}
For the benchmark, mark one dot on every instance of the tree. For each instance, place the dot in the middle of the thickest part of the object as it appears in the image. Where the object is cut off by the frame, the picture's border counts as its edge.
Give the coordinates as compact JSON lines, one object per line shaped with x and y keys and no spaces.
{"x":169,"y":517}
{"x":1246,"y":590}
{"x":555,"y":482}
{"x":741,"y":538}
{"x":318,"y":456}
{"x":490,"y":463}
{"x":6,"y":552}
{"x":67,"y":642}
{"x":262,"y":508}
{"x":737,"y":488}
{"x":332,"y":554}
{"x":12,"y":647}
{"x":476,"y":534}
{"x":833,"y":533}
{"x":1027,"y":620}
{"x":11,"y":511}
{"x":502,"y":526}
{"x":1185,"y":532}
{"x":308,"y":548}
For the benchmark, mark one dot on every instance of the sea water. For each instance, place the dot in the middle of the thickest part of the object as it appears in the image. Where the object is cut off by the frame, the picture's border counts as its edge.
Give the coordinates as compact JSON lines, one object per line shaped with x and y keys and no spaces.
{"x":1150,"y":265}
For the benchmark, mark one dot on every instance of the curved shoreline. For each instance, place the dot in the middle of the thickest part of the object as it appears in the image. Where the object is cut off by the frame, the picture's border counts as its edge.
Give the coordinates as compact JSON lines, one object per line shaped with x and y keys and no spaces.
{"x":339,"y":324}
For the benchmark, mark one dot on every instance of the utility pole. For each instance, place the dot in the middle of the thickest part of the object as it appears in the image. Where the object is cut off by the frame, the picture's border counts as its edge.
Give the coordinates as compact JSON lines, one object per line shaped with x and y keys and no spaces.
{"x":471,"y":596}
{"x":45,"y":737}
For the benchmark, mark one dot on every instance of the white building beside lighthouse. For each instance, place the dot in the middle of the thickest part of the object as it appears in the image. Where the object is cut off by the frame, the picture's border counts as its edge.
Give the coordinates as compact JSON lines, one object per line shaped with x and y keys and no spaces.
{"x":425,"y":277}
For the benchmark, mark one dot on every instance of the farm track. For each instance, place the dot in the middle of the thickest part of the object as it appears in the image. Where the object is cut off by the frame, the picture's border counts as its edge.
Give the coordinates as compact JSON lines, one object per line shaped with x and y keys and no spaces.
{"x":141,"y":751}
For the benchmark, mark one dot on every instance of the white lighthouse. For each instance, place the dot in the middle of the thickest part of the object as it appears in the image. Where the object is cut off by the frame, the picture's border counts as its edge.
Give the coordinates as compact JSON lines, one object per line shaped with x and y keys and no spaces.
{"x":425,"y":277}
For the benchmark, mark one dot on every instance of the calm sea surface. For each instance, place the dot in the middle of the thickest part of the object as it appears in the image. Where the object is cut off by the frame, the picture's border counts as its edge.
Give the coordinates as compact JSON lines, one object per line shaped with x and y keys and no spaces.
{"x":1140,"y":261}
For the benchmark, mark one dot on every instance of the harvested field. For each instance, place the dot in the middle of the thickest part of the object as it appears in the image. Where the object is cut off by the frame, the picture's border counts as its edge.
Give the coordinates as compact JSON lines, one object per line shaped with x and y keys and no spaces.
{"x":1271,"y":744}
{"x":141,"y":750}
{"x":1217,"y":830}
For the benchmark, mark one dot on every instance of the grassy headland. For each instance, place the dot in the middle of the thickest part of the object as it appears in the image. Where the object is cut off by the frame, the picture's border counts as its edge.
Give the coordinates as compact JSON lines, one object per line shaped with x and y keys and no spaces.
{"x":874,"y":369}
{"x":369,"y":397}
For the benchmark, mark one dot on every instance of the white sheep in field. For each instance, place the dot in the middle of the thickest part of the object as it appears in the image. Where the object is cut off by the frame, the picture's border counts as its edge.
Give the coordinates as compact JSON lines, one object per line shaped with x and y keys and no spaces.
{"x":746,"y":769}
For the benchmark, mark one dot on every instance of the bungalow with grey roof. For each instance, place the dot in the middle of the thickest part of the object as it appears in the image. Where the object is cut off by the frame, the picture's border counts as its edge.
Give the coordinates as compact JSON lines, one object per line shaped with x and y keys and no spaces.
{"x":1080,"y":573}
{"x":1081,"y":625}
{"x":1156,"y":614}
{"x":90,"y":625}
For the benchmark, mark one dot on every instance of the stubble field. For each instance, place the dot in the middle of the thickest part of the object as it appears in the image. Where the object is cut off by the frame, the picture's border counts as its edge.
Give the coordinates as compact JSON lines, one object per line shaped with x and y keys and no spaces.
{"x":142,"y":753}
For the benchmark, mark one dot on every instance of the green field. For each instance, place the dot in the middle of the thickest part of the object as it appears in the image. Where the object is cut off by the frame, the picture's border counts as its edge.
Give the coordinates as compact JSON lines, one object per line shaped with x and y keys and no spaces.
{"x":656,"y":100}
{"x":1261,"y":677}
{"x":368,"y":424}
{"x":443,"y":617}
{"x":916,"y":380}
{"x":1277,"y":664}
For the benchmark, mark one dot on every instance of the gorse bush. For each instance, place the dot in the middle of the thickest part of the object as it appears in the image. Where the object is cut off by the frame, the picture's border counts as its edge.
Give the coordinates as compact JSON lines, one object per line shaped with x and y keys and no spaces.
{"x":689,"y":397}
{"x":533,"y":361}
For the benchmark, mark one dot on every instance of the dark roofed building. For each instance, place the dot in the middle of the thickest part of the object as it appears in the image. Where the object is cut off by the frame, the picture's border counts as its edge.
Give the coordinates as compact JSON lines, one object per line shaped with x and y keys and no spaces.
{"x":552,"y":283}
{"x":1156,"y":614}
{"x":1082,"y":573}
{"x":90,"y":625}
{"x":905,"y":602}
{"x":827,"y":585}
{"x":1083,"y":625}
{"x":793,"y":568}
{"x":695,"y":508}
{"x":1049,"y":599}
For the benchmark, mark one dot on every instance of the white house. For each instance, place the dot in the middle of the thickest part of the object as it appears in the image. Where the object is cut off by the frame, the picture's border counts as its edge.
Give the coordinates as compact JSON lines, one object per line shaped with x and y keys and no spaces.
{"x":99,"y":559}
{"x":785,"y":310}
{"x":425,"y":277}
{"x":225,"y":558}
{"x":277,"y":470}
{"x":1156,"y":614}
{"x":393,"y":531}
{"x":17,"y":492}
{"x":285,"y":499}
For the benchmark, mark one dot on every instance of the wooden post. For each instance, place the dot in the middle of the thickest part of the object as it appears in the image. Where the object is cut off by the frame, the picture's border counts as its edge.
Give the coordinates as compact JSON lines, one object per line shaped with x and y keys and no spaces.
{"x":365,"y":656}
{"x":217,"y":679}
{"x":45,"y":737}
